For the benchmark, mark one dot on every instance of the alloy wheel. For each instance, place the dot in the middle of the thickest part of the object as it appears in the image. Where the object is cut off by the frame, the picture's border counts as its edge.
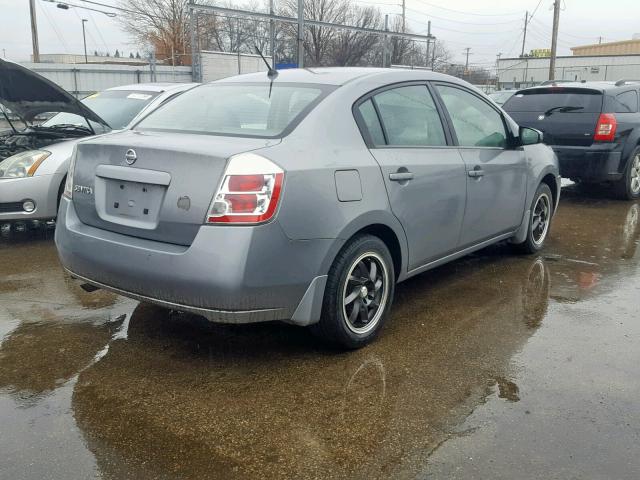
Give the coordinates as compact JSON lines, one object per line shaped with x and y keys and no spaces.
{"x":540,"y":219}
{"x":365,"y":292}
{"x":634,"y":177}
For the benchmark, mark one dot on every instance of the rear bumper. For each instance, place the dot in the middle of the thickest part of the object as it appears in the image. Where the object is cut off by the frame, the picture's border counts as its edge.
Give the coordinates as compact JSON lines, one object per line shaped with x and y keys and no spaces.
{"x":588,"y":163}
{"x":42,"y":189}
{"x":228,"y":274}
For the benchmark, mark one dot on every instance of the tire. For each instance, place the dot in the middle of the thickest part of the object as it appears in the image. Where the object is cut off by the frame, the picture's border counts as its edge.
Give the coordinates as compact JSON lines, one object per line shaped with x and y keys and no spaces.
{"x":628,"y":187}
{"x":539,"y":221}
{"x":348,"y":298}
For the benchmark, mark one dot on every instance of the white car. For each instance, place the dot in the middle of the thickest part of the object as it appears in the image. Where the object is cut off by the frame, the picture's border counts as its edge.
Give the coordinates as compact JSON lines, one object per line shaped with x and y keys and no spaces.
{"x":34,"y":159}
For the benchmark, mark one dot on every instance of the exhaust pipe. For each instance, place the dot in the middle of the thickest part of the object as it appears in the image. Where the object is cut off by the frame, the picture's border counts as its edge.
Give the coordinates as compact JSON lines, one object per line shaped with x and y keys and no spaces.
{"x":87,"y":287}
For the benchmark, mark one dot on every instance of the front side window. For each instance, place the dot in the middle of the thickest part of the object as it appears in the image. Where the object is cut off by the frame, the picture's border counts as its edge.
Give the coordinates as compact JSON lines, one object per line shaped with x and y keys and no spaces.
{"x":251,"y":110}
{"x":476,"y":124}
{"x":410,"y":117}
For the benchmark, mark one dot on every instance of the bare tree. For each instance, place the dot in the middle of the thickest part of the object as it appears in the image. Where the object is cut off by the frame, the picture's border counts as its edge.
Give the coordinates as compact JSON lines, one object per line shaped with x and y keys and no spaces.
{"x":159,"y":23}
{"x":353,"y":48}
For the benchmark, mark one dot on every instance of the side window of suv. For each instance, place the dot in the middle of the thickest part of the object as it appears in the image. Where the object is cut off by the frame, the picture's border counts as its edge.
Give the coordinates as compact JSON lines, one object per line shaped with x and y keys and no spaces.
{"x":476,"y":123}
{"x":627,"y":102}
{"x":410,"y":117}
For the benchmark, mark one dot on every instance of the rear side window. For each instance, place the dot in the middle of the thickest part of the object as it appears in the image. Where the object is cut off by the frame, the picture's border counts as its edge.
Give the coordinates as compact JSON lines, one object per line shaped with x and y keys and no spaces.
{"x":410,"y":117}
{"x":542,"y":100}
{"x":626,"y":102}
{"x":236,"y":109}
{"x":476,"y":123}
{"x":371,"y":121}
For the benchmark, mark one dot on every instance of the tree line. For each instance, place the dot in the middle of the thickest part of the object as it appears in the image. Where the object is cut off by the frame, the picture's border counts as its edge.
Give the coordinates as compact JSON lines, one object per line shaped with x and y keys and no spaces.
{"x":164,"y":25}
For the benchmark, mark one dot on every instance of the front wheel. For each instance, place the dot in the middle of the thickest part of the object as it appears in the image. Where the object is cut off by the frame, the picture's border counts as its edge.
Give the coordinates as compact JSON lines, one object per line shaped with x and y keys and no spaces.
{"x":358,"y":295}
{"x":628,"y":187}
{"x":539,"y":220}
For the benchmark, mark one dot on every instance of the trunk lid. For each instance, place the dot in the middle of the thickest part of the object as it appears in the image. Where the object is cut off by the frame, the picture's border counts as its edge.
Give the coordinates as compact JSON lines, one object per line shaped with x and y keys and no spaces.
{"x":566,"y":115}
{"x":152,"y":185}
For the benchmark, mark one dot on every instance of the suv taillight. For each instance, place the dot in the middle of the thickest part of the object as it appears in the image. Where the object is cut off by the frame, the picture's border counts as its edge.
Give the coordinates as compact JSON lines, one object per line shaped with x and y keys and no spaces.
{"x":249,"y":192}
{"x":606,"y":128}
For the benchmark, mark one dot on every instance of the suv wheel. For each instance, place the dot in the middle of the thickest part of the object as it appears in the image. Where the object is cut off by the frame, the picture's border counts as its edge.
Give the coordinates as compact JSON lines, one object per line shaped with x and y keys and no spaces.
{"x":540,"y":220}
{"x":628,"y":187}
{"x":358,"y":295}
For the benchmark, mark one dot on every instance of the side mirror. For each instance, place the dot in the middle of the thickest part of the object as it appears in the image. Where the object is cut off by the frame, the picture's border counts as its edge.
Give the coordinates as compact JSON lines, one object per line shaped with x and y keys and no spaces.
{"x":530,"y":136}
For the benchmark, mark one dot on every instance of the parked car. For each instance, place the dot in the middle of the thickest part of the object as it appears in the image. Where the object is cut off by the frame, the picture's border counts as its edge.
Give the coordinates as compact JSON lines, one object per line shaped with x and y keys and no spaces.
{"x":303,"y":197}
{"x":35,"y":157}
{"x":594,"y":128}
{"x":501,"y":96}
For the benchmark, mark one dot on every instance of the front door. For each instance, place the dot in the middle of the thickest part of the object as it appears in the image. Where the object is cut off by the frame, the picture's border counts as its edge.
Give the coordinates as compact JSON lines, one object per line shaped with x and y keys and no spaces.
{"x":425,"y":178}
{"x":496,"y":174}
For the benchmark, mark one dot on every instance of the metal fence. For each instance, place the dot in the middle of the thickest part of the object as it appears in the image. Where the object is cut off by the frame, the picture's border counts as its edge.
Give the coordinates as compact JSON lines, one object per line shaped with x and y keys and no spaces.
{"x":83,"y":79}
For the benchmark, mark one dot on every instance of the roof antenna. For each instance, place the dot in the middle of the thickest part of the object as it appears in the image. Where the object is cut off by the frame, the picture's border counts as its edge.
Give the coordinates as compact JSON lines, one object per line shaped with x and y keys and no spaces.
{"x":272,"y":73}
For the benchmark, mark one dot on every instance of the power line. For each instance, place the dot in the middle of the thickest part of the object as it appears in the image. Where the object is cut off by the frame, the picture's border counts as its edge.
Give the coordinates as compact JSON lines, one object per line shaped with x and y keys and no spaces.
{"x":460,"y":21}
{"x":471,"y":13}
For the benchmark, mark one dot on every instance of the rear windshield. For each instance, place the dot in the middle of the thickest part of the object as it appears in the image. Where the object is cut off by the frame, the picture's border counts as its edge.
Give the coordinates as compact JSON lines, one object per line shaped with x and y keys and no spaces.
{"x":237,"y":109}
{"x":584,"y":101}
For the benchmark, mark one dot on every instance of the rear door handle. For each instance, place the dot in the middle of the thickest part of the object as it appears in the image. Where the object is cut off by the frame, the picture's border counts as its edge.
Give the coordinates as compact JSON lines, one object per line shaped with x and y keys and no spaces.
{"x":477,"y":172}
{"x":400,"y":176}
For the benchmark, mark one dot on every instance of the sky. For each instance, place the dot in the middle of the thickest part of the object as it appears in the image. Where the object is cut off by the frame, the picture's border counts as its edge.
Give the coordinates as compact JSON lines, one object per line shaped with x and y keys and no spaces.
{"x":488,"y":27}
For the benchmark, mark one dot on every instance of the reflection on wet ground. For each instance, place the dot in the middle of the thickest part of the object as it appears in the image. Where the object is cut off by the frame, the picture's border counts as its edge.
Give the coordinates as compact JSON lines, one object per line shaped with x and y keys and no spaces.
{"x":495,"y":366}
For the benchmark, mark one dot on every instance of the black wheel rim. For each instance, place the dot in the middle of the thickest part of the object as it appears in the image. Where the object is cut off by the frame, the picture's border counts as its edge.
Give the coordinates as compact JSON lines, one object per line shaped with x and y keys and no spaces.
{"x":540,"y":219}
{"x":365,"y":293}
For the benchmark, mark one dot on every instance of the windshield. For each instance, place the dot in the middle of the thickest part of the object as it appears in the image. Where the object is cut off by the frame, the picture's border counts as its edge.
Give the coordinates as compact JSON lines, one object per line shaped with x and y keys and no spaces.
{"x":500,"y":97}
{"x":543,"y":100}
{"x":247,"y":109}
{"x":116,"y":107}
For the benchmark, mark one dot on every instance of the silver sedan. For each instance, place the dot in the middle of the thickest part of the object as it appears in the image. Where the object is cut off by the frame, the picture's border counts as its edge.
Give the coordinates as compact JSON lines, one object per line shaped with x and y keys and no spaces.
{"x":303,"y":196}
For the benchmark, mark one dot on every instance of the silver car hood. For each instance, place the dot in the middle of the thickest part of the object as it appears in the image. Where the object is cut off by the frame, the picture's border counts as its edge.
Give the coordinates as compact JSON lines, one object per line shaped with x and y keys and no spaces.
{"x":27,"y":94}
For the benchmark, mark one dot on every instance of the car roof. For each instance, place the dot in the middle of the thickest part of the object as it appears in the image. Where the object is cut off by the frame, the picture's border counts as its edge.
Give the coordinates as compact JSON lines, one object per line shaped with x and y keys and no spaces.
{"x":340,"y":75}
{"x":155,"y":87}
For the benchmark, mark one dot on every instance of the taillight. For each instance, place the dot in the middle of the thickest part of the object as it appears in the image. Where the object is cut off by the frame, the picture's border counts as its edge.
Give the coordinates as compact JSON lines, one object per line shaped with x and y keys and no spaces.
{"x":606,"y":128}
{"x":68,"y":184}
{"x":249,"y":192}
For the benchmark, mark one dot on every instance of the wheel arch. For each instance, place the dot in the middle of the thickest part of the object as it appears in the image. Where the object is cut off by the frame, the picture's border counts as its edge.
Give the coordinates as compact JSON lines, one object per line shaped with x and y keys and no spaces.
{"x":383,"y":225}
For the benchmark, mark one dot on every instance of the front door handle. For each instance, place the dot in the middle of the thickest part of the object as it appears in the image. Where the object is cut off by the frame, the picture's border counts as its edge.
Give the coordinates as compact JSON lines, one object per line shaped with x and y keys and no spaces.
{"x":477,"y":172}
{"x":400,"y":176}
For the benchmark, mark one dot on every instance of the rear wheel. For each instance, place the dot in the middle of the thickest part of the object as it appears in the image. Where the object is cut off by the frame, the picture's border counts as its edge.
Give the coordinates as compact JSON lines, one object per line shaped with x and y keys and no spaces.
{"x":628,"y":187}
{"x":358,"y":295}
{"x":539,"y":221}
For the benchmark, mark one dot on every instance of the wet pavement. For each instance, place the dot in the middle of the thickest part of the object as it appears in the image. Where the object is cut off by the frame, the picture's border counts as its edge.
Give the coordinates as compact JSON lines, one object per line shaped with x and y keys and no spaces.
{"x":494,"y":366}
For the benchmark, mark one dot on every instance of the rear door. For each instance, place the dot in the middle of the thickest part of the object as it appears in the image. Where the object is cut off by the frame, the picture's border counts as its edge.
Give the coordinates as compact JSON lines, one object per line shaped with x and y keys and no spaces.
{"x":495,"y":173}
{"x":566,"y":115}
{"x":424,"y":175}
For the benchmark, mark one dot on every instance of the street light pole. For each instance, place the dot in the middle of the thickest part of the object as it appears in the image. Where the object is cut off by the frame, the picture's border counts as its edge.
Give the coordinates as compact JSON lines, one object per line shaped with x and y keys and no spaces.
{"x":84,"y":40}
{"x":34,"y":31}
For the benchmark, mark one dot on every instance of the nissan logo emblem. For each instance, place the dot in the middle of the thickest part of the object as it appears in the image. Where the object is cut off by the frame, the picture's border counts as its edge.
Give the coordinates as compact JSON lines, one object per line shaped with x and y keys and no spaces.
{"x":130,"y":157}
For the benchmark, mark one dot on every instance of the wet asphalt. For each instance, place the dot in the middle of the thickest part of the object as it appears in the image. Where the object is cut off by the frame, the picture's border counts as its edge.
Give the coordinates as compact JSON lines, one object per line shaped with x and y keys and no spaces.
{"x":494,"y":366}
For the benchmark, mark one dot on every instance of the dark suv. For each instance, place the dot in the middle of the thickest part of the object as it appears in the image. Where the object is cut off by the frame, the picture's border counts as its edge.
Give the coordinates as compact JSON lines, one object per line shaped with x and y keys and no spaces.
{"x":593,"y":127}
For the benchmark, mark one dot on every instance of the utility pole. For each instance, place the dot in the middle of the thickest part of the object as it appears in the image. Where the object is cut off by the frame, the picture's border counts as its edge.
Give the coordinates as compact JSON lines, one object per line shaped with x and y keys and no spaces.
{"x":404,"y":15}
{"x":524,"y":37}
{"x":554,"y":39}
{"x":433,"y":56}
{"x":272,"y":36}
{"x":34,"y":31}
{"x":385,"y":49}
{"x":466,"y":63}
{"x":84,"y":40}
{"x":300,"y":33}
{"x":498,"y":67}
{"x":195,"y":67}
{"x":428,"y":42}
